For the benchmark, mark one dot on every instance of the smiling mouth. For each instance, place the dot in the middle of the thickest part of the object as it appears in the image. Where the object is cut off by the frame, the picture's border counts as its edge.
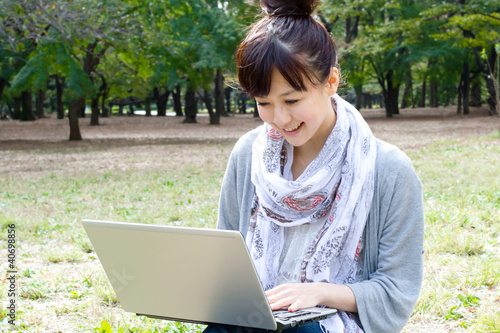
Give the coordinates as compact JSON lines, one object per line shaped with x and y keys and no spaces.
{"x":291,"y":129}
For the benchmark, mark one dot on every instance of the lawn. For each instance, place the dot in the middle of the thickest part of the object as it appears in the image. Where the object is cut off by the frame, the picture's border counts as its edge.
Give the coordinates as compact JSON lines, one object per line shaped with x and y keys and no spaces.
{"x":45,"y":191}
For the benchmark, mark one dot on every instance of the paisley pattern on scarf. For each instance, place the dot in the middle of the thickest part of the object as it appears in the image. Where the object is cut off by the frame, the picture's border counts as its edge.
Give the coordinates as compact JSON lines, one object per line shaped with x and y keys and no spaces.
{"x":338,"y":183}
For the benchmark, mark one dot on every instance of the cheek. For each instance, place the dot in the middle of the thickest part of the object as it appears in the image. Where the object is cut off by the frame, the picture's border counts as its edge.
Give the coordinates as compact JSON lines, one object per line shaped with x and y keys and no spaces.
{"x":304,"y":113}
{"x":265,"y":115}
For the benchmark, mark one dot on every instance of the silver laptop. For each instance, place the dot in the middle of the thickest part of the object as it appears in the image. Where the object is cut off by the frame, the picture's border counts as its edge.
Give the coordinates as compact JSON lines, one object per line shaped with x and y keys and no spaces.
{"x":189,"y":275}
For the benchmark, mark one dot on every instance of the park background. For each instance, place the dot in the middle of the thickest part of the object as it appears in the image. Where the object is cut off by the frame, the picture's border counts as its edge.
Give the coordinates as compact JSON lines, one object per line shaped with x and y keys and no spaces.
{"x":146,"y":93}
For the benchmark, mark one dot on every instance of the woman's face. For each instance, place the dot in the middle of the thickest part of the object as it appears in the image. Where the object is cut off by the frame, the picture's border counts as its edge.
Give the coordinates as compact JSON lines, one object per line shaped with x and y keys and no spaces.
{"x":305,"y":118}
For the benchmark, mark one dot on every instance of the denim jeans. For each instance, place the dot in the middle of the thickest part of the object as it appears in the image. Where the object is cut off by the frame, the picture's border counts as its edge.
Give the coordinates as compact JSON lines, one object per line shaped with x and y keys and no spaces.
{"x":216,"y":328}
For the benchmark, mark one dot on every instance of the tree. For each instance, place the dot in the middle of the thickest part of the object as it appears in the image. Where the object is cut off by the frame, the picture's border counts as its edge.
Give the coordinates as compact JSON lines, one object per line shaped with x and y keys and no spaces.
{"x":71,"y":39}
{"x":375,"y":44}
{"x":15,"y":49}
{"x":428,"y":42}
{"x":193,"y":43}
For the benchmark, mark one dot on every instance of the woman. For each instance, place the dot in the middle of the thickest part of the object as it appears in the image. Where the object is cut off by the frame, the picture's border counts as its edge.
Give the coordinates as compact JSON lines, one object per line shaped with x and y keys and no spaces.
{"x":331,"y":216}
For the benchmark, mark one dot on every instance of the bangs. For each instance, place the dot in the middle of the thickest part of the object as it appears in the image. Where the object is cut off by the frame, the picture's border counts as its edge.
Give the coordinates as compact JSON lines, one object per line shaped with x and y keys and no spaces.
{"x":255,"y":68}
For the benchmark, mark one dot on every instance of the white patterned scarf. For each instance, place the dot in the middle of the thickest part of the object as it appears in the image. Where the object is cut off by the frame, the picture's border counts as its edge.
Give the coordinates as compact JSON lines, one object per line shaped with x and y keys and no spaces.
{"x":337,"y":184}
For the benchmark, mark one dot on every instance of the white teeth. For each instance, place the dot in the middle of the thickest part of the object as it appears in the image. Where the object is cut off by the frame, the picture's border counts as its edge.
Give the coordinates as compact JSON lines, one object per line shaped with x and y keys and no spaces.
{"x":292,"y":128}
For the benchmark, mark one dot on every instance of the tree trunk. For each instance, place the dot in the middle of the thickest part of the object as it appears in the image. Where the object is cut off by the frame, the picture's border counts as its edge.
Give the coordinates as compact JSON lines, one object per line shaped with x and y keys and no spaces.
{"x":59,"y":95}
{"x":466,"y":86}
{"x":493,"y":100}
{"x":219,"y":94}
{"x":242,"y":103}
{"x":82,"y":111}
{"x":106,"y":112}
{"x":369,"y":101}
{"x":384,"y":100}
{"x":214,"y":115}
{"x":52,"y":102}
{"x":17,"y":108}
{"x":381,"y":99}
{"x":104,"y":96}
{"x":434,"y":93}
{"x":3,"y":84}
{"x":492,"y":82}
{"x":413,"y":102}
{"x":358,"y":88}
{"x":475,"y":97}
{"x":408,"y":91}
{"x":77,"y":106}
{"x":348,"y":30}
{"x":459,"y":96}
{"x":161,"y":102}
{"x":27,"y":107}
{"x":74,"y":108}
{"x":40,"y":97}
{"x":177,"y":101}
{"x":351,"y":29}
{"x":190,"y":108}
{"x":227,"y":94}
{"x":147,"y":106}
{"x":422,"y":92}
{"x":94,"y":106}
{"x":392,"y":96}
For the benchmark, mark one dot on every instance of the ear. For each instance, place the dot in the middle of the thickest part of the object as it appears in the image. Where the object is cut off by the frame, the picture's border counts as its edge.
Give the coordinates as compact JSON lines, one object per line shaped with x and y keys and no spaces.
{"x":333,"y":81}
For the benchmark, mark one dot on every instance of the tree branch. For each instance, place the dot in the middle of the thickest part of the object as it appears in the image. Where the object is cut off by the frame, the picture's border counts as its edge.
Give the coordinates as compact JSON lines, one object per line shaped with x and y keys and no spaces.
{"x":380,"y":77}
{"x":490,"y":16}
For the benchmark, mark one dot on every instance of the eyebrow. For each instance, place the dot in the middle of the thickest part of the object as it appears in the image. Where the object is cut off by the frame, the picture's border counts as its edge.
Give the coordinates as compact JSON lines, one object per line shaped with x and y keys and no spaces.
{"x":286,"y":93}
{"x":289,"y":92}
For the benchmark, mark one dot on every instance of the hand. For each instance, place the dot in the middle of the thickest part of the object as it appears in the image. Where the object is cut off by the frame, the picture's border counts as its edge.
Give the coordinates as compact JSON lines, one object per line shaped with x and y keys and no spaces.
{"x":295,"y":296}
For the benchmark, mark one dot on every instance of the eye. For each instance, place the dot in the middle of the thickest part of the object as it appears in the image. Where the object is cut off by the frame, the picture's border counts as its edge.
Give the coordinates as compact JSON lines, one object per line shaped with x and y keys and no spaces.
{"x":291,"y":101}
{"x":262,"y":103}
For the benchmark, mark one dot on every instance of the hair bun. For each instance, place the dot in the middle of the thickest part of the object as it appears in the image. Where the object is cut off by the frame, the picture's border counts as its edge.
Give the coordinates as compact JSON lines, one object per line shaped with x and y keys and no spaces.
{"x":289,"y":8}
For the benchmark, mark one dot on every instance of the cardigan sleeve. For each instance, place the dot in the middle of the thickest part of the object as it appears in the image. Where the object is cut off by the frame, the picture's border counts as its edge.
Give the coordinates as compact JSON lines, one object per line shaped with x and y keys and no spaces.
{"x":237,"y":189}
{"x":394,"y":235}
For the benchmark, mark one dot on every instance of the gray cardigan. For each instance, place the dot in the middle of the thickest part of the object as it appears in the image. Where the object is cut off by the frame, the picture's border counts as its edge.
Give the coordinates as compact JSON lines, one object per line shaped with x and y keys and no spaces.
{"x":393,"y":238}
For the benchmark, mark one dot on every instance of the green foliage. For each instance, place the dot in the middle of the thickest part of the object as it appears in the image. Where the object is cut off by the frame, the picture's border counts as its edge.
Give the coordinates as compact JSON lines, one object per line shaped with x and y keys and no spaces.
{"x":28,"y":272}
{"x":60,"y":37}
{"x":202,"y":37}
{"x":452,"y":314}
{"x":431,"y":38}
{"x":468,"y":301}
{"x":105,"y":328}
{"x":52,"y":58}
{"x":141,"y":45}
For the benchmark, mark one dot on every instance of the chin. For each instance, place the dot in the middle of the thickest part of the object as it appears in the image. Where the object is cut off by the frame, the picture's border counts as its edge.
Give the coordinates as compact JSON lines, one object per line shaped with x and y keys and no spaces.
{"x":296,"y":143}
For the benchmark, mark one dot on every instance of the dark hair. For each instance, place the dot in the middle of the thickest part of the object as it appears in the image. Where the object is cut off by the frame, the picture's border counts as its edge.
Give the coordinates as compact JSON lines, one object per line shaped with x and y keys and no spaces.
{"x":290,"y":40}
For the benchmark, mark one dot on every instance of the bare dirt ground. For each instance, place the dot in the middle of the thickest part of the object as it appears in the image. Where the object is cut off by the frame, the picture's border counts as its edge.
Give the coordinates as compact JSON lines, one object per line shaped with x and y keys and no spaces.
{"x":412,"y":129}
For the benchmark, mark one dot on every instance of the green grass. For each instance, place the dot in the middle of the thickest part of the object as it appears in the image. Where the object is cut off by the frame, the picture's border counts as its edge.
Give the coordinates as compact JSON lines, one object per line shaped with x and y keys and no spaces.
{"x":61,"y":281}
{"x":63,"y":286}
{"x":461,"y":182}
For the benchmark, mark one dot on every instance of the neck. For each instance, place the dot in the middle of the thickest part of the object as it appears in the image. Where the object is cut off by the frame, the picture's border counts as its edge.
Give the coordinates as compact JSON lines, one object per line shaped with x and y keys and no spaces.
{"x":305,"y":154}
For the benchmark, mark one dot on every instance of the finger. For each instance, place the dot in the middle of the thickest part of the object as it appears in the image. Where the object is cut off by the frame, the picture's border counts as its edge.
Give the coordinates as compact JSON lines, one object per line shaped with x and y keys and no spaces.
{"x":270,"y":292}
{"x":275,"y":290}
{"x":274,"y":295}
{"x":280,"y":303}
{"x":295,"y":306}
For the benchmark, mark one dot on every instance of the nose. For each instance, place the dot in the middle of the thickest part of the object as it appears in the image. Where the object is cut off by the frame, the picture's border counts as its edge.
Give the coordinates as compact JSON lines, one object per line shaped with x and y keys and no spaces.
{"x":281,"y":117}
